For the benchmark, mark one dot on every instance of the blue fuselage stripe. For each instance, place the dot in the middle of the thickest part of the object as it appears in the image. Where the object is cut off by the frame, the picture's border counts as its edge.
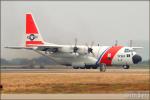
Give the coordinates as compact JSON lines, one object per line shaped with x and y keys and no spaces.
{"x":101,"y":55}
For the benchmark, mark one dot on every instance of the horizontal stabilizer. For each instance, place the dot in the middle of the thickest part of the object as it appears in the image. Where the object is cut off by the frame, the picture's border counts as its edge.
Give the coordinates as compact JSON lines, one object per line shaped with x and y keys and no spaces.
{"x":15,"y":47}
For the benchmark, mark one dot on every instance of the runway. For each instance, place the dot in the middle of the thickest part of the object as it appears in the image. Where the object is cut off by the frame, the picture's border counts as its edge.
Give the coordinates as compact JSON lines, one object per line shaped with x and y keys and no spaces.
{"x":125,"y":96}
{"x":73,"y":71}
{"x":57,"y":84}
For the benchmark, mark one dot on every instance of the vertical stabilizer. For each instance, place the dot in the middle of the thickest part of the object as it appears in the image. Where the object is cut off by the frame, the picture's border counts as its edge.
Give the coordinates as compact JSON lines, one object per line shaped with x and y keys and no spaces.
{"x":33,"y":37}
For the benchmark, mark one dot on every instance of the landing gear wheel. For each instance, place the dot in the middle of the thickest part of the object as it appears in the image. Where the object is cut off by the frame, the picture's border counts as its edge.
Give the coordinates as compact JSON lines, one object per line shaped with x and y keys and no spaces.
{"x":126,"y":66}
{"x":75,"y":67}
{"x":94,"y":67}
{"x":102,"y":67}
{"x":87,"y":67}
{"x":82,"y":67}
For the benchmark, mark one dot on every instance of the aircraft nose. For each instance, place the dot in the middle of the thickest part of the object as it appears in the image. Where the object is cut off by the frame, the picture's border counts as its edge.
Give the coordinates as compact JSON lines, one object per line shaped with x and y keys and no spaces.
{"x":136,"y":59}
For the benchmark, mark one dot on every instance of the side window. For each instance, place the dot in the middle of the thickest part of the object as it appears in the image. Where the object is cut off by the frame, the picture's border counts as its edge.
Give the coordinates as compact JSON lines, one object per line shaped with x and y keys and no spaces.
{"x":121,"y":56}
{"x":128,"y":55}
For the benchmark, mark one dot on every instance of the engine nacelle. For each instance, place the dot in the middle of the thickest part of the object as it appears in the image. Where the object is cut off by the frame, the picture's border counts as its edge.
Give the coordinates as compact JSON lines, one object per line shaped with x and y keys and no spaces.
{"x":83,"y":50}
{"x":70,"y":49}
{"x":66,"y":49}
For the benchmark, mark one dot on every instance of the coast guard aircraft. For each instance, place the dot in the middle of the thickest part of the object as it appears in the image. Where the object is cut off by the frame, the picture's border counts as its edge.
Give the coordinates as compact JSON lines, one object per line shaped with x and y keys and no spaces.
{"x":79,"y":56}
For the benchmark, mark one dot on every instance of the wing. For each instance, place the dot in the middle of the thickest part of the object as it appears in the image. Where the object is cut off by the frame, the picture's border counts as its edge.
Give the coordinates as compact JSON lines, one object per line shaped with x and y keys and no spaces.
{"x":135,"y":48}
{"x":40,"y":48}
{"x":48,"y":47}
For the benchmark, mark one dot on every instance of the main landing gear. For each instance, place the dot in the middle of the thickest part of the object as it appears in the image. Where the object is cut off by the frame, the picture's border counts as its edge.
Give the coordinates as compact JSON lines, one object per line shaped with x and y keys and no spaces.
{"x":101,"y":67}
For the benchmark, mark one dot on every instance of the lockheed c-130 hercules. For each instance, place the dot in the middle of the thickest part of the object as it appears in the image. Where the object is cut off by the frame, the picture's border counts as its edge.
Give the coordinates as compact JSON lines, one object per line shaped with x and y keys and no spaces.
{"x":79,"y":56}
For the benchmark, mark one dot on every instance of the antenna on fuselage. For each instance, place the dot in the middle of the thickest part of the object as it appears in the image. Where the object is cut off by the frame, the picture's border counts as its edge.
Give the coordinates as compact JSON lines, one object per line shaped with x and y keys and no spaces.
{"x":116,"y":42}
{"x":131,"y":42}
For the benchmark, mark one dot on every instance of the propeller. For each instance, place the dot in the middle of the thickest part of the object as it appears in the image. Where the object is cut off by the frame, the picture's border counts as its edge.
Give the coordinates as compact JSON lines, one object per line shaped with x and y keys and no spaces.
{"x":75,"y":48}
{"x":90,"y":49}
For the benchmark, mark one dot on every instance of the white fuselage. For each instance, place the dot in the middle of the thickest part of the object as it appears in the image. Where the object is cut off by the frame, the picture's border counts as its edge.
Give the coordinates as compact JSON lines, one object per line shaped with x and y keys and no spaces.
{"x":102,"y":54}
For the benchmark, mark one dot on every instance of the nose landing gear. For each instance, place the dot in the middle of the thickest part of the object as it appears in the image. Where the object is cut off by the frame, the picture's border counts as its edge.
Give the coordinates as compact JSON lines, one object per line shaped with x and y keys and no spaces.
{"x":102,"y":67}
{"x":126,"y":66}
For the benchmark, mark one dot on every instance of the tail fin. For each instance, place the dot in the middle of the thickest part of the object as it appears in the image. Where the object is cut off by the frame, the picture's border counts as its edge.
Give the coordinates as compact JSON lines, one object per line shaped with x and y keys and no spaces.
{"x":33,"y":37}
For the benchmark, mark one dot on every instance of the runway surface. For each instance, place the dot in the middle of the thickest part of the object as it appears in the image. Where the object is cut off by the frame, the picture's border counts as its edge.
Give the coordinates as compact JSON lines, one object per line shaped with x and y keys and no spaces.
{"x":73,"y":70}
{"x":56,"y":81}
{"x":125,"y":96}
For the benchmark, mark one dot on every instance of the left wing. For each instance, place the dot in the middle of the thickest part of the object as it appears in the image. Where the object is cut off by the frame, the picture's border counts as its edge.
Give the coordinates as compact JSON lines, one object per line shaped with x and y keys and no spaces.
{"x":46,"y":47}
{"x":39,"y":48}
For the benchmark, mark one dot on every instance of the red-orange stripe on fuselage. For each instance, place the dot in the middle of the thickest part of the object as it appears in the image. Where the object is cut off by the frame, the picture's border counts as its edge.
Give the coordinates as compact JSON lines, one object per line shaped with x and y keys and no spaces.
{"x":109,"y":55}
{"x":34,"y":42}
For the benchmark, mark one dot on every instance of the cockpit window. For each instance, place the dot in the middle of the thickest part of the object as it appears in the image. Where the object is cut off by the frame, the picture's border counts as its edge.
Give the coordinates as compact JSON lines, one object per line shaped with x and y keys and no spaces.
{"x":127,"y":50}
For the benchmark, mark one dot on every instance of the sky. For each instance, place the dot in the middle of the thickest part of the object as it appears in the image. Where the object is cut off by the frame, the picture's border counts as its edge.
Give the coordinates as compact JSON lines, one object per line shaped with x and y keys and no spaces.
{"x":61,"y":22}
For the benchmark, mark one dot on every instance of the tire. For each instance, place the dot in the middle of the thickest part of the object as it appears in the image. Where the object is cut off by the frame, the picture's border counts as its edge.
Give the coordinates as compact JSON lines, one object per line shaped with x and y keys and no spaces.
{"x":94,"y":67}
{"x":41,"y":67}
{"x":87,"y":67}
{"x":102,"y":67}
{"x":82,"y":67}
{"x":75,"y":67}
{"x":126,"y":66}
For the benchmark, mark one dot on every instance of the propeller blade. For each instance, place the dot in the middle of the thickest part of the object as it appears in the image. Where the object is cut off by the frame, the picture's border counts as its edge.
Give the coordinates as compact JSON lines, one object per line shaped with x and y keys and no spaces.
{"x":76,"y":42}
{"x":90,"y":50}
{"x":75,"y":48}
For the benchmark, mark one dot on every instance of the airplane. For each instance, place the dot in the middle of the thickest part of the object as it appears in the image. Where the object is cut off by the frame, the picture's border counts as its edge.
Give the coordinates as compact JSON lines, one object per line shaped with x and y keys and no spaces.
{"x":79,"y":56}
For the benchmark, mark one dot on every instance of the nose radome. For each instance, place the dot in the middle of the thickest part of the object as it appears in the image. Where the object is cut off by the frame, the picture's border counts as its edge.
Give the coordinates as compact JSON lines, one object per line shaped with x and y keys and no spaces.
{"x":136,"y":59}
